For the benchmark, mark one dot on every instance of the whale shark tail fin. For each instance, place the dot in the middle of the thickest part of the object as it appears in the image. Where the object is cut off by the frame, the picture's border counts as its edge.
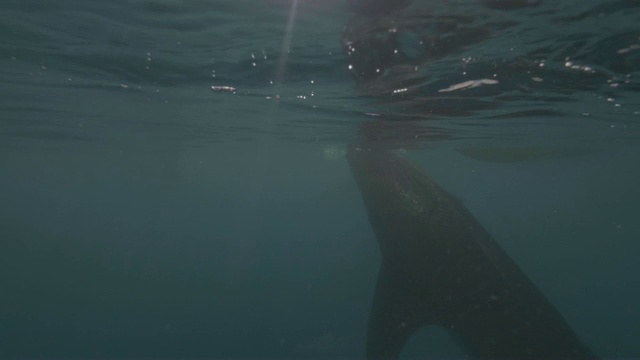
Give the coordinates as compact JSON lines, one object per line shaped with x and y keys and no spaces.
{"x":395,"y":316}
{"x":441,"y":267}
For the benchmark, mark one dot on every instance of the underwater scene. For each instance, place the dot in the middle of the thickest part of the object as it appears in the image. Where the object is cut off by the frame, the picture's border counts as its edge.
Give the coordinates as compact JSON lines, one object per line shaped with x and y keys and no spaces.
{"x":353,"y":179}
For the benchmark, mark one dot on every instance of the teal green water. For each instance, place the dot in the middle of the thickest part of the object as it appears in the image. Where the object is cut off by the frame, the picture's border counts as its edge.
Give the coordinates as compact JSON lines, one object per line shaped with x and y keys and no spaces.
{"x":173,"y":181}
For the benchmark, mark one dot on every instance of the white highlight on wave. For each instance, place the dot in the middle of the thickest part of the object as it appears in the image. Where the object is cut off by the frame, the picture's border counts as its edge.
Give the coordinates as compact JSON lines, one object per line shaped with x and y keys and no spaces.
{"x":469,"y":84}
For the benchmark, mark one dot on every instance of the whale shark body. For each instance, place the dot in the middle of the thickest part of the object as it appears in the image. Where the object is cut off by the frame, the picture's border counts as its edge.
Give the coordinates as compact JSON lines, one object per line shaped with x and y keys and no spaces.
{"x":441,"y":267}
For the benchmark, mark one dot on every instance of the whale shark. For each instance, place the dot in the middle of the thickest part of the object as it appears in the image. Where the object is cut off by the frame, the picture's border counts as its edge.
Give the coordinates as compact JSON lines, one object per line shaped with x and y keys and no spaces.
{"x":441,"y":267}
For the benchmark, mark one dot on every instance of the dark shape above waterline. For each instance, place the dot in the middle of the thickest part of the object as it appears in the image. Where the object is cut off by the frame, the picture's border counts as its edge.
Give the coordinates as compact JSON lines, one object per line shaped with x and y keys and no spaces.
{"x":376,"y":7}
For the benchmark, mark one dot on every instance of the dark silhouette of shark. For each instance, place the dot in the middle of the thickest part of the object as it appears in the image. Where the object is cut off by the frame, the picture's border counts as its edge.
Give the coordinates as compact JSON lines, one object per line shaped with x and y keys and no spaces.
{"x":441,"y":267}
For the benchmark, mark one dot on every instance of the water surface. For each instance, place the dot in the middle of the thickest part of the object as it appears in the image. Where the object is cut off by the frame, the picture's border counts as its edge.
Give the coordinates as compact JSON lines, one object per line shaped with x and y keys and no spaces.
{"x":173,"y":181}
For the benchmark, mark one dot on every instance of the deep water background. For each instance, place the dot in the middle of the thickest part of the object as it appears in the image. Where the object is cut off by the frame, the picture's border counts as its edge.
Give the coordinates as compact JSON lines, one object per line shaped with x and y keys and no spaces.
{"x":144,"y":213}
